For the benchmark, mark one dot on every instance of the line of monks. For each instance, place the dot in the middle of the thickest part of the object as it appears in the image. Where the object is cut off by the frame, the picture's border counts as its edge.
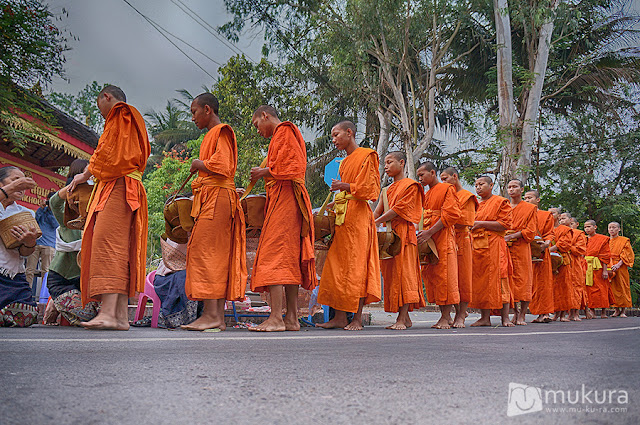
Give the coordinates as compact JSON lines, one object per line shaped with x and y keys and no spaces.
{"x":483,"y":258}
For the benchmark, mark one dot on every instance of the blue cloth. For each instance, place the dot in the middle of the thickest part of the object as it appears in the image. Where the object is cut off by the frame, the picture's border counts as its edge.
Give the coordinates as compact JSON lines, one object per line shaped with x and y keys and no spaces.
{"x":48,"y":224}
{"x":15,"y":290}
{"x":170,"y":290}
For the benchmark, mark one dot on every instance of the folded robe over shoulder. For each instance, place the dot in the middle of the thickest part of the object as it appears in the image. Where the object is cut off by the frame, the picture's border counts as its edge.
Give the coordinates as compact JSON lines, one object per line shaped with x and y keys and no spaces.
{"x":491,"y":261}
{"x":525,"y":220}
{"x":599,"y":294}
{"x":114,"y":243}
{"x":352,"y":268}
{"x":468,"y":203}
{"x":620,"y":284}
{"x":564,"y":297}
{"x":542,"y":298}
{"x":441,"y":279}
{"x":401,"y":274}
{"x":579,"y":268}
{"x":285,"y":253}
{"x":216,"y":254}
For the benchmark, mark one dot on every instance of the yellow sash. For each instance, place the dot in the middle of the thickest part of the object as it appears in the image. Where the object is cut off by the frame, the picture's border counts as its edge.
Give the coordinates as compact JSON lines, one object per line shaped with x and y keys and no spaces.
{"x":593,"y":263}
{"x":136,"y":175}
{"x":211,"y":180}
{"x":340,"y":206}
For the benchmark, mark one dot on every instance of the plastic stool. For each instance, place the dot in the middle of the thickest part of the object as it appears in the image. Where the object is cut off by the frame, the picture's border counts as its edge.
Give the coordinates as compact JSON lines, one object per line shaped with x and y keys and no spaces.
{"x":149,"y":292}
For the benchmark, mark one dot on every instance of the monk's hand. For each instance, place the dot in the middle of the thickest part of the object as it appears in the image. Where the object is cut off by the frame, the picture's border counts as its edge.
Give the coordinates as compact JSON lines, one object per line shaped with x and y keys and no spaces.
{"x":337,"y":185}
{"x":196,"y":165}
{"x":330,"y":205}
{"x":78,"y":179}
{"x":476,"y":225}
{"x":605,"y":273}
{"x":508,"y":238}
{"x":257,"y":173}
{"x":26,"y":236}
{"x":23,"y":183}
{"x":240,"y":191}
{"x":424,"y":236}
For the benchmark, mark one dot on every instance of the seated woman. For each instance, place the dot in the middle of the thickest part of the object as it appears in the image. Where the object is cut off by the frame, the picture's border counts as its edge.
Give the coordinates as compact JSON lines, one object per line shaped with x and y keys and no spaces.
{"x":63,"y":280}
{"x":17,"y":307}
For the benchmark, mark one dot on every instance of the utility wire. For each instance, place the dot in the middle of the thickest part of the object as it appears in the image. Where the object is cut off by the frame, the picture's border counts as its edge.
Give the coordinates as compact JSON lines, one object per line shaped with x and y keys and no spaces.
{"x":160,"y":30}
{"x":211,"y":30}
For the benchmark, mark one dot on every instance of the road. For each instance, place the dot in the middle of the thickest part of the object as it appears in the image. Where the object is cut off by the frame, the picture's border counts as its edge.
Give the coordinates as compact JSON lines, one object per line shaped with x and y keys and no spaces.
{"x":316,"y":376}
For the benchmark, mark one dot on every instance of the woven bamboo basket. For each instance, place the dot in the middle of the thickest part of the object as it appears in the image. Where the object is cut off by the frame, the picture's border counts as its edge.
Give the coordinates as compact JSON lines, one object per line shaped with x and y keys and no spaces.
{"x":20,"y":219}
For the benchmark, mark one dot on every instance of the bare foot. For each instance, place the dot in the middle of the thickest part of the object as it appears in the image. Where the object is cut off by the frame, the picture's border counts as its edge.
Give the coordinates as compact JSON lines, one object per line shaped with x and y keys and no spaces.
{"x":272,"y":324}
{"x":623,"y":315}
{"x":105,"y":323}
{"x":564,"y":319}
{"x":443,"y":323}
{"x":291,"y":324}
{"x":458,"y":322}
{"x":482,"y":322}
{"x":588,"y":315}
{"x":576,"y":319}
{"x":547,"y":319}
{"x":539,"y":319}
{"x":355,"y":325}
{"x":204,"y":322}
{"x":398,"y":326}
{"x":408,"y":323}
{"x":521,"y":322}
{"x":615,"y":313}
{"x":604,"y":317}
{"x":333,"y":324}
{"x":508,"y":323}
{"x":556,"y":317}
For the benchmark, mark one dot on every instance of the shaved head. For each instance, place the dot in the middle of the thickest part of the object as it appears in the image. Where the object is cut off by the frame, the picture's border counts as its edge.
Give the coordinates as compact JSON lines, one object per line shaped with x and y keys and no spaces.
{"x":488,"y":179}
{"x":268,"y":109}
{"x":591,"y":222}
{"x":115,"y":92}
{"x":518,"y":181}
{"x":615,"y":223}
{"x":208,"y":99}
{"x":428,"y":166}
{"x":399,"y":156}
{"x":346,"y":125}
{"x":451,"y":171}
{"x":533,"y":193}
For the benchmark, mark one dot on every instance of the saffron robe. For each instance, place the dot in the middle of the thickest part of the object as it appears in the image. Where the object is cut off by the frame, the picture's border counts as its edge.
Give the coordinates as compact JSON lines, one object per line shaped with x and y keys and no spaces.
{"x":491,"y":260}
{"x":468,"y":203}
{"x":114,"y":242}
{"x":216,"y":254}
{"x":525,"y":220}
{"x":564,"y":297}
{"x":441,"y":279}
{"x":285,"y":253}
{"x":401,"y":274}
{"x":599,"y":295}
{"x":352,"y":267}
{"x":542,"y":299}
{"x":579,"y":267}
{"x":620,"y":283}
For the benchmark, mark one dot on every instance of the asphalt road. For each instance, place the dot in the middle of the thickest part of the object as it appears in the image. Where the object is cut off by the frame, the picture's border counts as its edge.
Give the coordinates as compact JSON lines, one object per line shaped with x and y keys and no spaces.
{"x":316,"y":376}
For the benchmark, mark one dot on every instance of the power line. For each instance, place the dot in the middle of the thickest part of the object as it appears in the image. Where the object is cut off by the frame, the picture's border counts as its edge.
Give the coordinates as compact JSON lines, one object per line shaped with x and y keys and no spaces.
{"x":158,"y":28}
{"x":204,"y":24}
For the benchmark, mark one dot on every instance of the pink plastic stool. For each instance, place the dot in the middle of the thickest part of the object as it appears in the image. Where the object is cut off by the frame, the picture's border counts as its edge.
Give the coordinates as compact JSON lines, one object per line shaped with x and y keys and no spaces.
{"x":149,"y":292}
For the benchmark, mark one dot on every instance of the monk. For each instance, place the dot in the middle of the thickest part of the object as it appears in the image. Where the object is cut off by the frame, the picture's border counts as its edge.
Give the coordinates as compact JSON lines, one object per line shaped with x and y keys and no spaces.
{"x":441,"y":213}
{"x":563,"y":291}
{"x":519,"y":238}
{"x":285,"y":257}
{"x":114,"y":243}
{"x":351,"y":273}
{"x":401,"y":274}
{"x":542,"y":297}
{"x":622,"y":257}
{"x":598,"y":256}
{"x":216,"y":254}
{"x":491,"y":261}
{"x":579,"y":267}
{"x":468,"y":203}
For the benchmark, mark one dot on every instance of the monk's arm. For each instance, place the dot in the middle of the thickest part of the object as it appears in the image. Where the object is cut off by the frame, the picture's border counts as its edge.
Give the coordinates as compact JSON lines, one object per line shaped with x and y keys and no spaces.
{"x":379,"y":210}
{"x":79,"y":179}
{"x":617,"y":265}
{"x":199,"y":165}
{"x":513,"y":236}
{"x":337,"y":185}
{"x":388,"y":216}
{"x":494,"y":226}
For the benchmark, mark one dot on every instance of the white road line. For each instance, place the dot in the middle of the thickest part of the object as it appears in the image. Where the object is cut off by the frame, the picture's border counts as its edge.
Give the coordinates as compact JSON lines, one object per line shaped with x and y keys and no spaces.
{"x":274,"y":337}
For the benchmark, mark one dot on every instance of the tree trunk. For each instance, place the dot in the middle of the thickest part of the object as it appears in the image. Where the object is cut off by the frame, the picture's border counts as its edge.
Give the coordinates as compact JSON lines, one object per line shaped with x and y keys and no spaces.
{"x":384,"y":117}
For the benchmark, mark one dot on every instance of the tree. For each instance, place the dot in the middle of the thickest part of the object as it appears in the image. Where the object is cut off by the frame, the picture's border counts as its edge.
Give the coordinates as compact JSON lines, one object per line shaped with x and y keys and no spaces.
{"x":170,"y":127}
{"x":81,"y":106}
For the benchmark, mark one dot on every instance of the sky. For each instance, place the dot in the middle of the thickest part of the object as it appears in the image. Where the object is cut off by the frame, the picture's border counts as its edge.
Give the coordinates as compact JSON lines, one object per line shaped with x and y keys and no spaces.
{"x":118,"y":46}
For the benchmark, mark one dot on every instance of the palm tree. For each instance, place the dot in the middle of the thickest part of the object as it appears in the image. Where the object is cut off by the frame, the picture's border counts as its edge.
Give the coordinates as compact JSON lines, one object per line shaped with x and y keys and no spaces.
{"x":170,"y":127}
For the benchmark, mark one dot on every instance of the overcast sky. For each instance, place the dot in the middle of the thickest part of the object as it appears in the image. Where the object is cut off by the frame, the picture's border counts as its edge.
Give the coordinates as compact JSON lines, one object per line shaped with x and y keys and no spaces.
{"x":119,"y":46}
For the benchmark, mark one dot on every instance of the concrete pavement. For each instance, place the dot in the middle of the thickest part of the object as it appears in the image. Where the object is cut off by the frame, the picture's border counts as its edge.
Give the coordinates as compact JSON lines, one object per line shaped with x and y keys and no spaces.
{"x":377,"y":376}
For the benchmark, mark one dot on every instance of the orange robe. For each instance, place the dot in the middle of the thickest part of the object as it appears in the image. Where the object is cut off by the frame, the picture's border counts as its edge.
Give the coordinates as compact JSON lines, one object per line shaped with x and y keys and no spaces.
{"x":542,"y":299}
{"x":525,"y":220}
{"x":216,"y":254}
{"x":468,"y":203}
{"x":579,"y":267}
{"x":117,"y":221}
{"x":441,"y":279}
{"x":599,"y":295}
{"x":564,"y":297}
{"x":620,"y":284}
{"x":401,"y":274}
{"x":491,"y":261}
{"x":352,"y":268}
{"x":285,"y":251}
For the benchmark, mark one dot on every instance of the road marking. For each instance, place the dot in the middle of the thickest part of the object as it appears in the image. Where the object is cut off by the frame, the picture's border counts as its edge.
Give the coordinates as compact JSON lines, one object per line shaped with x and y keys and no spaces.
{"x":276,"y":337}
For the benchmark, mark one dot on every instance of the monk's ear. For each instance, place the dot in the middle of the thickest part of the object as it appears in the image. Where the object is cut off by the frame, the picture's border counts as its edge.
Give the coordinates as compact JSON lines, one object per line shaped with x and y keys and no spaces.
{"x":207,"y":109}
